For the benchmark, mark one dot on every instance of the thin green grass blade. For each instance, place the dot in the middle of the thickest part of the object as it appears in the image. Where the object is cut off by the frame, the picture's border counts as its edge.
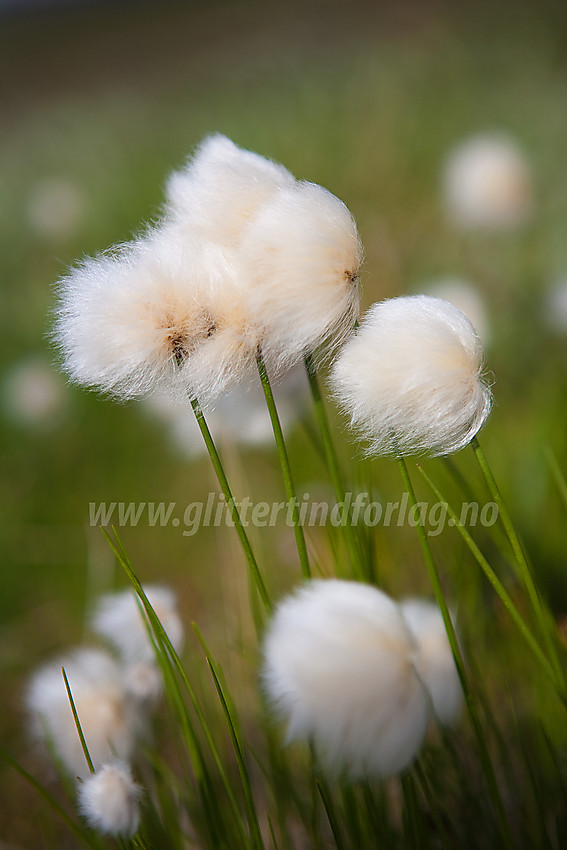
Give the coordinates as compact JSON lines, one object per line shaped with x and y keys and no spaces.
{"x":77,"y":829}
{"x":77,"y":722}
{"x":459,"y":663}
{"x":332,"y":815}
{"x":234,"y":512}
{"x":231,"y":717}
{"x":545,"y":621}
{"x":496,"y":584}
{"x":557,"y":475}
{"x":163,"y":640}
{"x":285,"y":467}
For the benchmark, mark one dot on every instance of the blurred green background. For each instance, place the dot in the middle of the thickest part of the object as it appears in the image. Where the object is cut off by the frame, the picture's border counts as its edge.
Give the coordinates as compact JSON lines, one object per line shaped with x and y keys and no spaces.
{"x":98,"y":104}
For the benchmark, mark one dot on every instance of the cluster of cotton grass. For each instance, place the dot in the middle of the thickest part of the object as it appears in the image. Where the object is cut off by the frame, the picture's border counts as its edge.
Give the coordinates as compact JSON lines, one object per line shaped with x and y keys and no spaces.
{"x":187,"y":306}
{"x":361,"y":676}
{"x":113,"y":693}
{"x":249,"y":264}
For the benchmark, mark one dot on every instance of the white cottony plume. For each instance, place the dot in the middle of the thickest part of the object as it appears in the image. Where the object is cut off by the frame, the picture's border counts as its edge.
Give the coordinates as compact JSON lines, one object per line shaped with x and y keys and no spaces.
{"x":110,"y":721}
{"x":487,"y":183}
{"x":157,"y":314}
{"x":221,"y":189}
{"x":300,"y":258}
{"x":109,"y":800}
{"x":339,"y":669}
{"x":246,"y":259}
{"x":434,"y":660}
{"x":118,"y":619}
{"x":554,"y":311}
{"x":411,"y":378}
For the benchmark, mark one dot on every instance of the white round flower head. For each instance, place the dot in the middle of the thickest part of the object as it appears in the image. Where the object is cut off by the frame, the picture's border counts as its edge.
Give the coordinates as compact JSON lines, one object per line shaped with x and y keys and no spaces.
{"x":157,"y":314}
{"x":118,"y":619}
{"x":487,"y":183}
{"x":410,"y":378}
{"x":33,"y":394}
{"x":434,"y":660}
{"x":109,"y":720}
{"x":554,"y":311}
{"x":300,"y":259}
{"x":220,"y":190}
{"x":56,"y":207}
{"x":338,"y":667}
{"x":109,"y":800}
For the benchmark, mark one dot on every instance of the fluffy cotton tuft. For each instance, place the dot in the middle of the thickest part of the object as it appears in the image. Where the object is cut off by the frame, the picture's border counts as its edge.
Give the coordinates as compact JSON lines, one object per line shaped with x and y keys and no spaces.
{"x":118,"y":619}
{"x":487,"y":183}
{"x":339,"y":669}
{"x":155,"y":314}
{"x":109,"y":719}
{"x":434,"y":660}
{"x":108,"y":800}
{"x":301,"y":257}
{"x":33,"y":394}
{"x":410,"y":378}
{"x":246,"y":258}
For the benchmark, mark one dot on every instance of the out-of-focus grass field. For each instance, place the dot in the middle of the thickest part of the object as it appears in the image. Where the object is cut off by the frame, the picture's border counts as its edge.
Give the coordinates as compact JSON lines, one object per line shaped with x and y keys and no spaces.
{"x":364,"y":98}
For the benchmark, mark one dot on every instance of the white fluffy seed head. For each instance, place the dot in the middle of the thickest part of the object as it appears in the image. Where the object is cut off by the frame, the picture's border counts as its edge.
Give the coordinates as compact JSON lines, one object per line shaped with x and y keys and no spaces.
{"x":434,"y":660}
{"x":487,"y":183}
{"x":411,"y":378}
{"x":109,"y":800}
{"x":161,"y":313}
{"x":117,"y":618}
{"x":221,"y":189}
{"x":466,"y":298}
{"x":300,"y":260}
{"x":338,"y":668}
{"x":109,"y":719}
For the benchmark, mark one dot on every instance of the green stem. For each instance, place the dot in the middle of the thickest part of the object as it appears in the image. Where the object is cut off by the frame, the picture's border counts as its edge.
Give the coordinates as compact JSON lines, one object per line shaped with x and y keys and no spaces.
{"x":332,"y":461}
{"x":525,"y":572}
{"x":77,"y":722}
{"x":496,"y":584}
{"x":224,"y":485}
{"x":459,"y":662}
{"x":285,"y":466}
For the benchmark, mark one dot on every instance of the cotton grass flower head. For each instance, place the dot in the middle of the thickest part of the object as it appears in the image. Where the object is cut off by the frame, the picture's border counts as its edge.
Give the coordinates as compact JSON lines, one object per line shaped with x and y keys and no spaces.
{"x":301,"y":258}
{"x":339,"y":669}
{"x":411,"y":378}
{"x":33,"y":394}
{"x":246,"y":259}
{"x":155,"y":314}
{"x":487,"y":184}
{"x":109,"y":800}
{"x":118,"y":619}
{"x":434,"y":660}
{"x":110,"y":721}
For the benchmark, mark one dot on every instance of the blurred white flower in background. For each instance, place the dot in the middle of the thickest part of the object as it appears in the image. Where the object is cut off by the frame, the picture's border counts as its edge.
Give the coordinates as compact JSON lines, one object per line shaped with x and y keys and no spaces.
{"x":434,"y":660}
{"x":110,"y":720}
{"x":56,"y":208}
{"x":240,"y":416}
{"x":554,"y":311}
{"x":487,"y":183}
{"x":33,"y":393}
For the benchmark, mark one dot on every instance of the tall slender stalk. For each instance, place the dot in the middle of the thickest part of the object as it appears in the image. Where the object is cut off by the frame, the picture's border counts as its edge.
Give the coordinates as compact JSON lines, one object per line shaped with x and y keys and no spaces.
{"x":332,"y":461}
{"x":285,"y":466}
{"x":540,"y":611}
{"x":459,"y":662}
{"x":231,"y":504}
